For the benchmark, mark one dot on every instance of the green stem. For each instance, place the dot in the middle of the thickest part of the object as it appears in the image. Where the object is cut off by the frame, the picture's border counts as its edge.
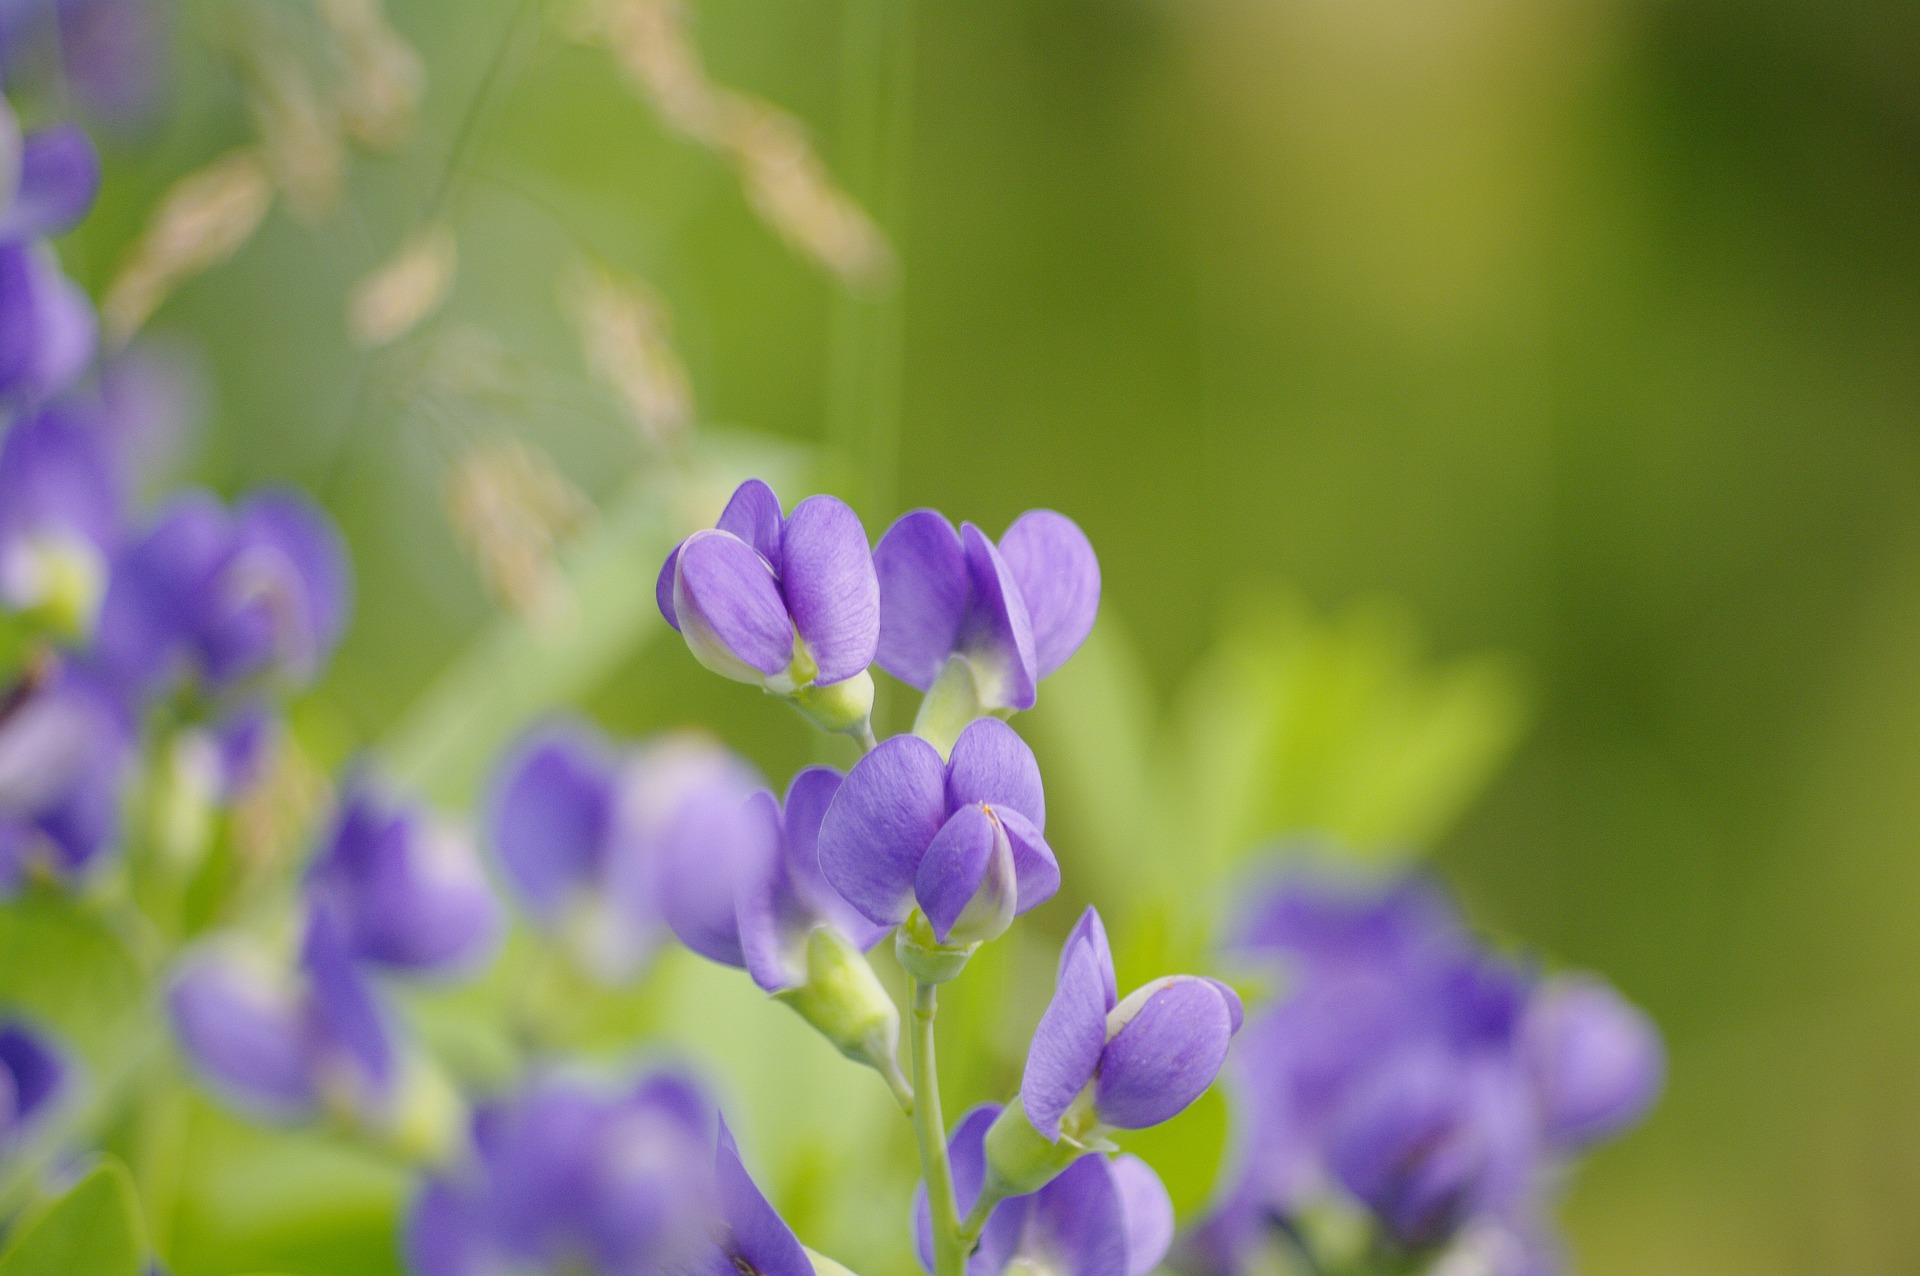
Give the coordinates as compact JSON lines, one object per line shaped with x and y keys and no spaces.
{"x":929,"y":1127}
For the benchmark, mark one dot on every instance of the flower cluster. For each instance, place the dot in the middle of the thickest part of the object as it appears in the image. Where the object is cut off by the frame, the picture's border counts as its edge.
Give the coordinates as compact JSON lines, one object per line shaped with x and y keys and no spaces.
{"x":1441,"y":1087}
{"x":938,"y":837}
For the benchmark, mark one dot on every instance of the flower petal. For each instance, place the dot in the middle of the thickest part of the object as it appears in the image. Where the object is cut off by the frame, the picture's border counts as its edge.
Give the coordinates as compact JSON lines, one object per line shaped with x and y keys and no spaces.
{"x":753,"y":515}
{"x":955,"y":868}
{"x":881,"y":821}
{"x":241,"y":1027}
{"x":663,"y":587}
{"x":35,"y":1072}
{"x":758,"y":1239}
{"x":1166,"y":1056}
{"x":924,"y":587}
{"x":1036,"y":870}
{"x":826,"y":573}
{"x":344,"y":1017}
{"x":730,"y":609}
{"x":1148,"y":1212}
{"x":993,"y":765}
{"x":1059,"y":579}
{"x":1067,"y":1045}
{"x":1090,"y":930}
{"x":808,"y":797}
{"x":1594,"y":1059}
{"x":689,"y":798}
{"x":59,"y":177}
{"x":1079,"y":1223}
{"x":997,"y":637}
{"x":773,"y":917}
{"x":551,"y":816}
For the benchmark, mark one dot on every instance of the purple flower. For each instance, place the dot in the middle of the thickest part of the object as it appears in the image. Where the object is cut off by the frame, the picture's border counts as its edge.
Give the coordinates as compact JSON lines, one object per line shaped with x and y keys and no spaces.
{"x":261,"y":591}
{"x":65,"y":745}
{"x":1102,"y":1216}
{"x":46,"y":323}
{"x":1008,"y":615}
{"x":1126,"y":1064}
{"x":788,"y":603}
{"x":108,"y":54}
{"x":961,"y":840}
{"x":32,"y":1079}
{"x":746,"y":889}
{"x":1595,"y":1060}
{"x":409,"y":892}
{"x":286,"y":1045}
{"x":61,"y":511}
{"x":1437,"y":1084}
{"x":567,"y":1175}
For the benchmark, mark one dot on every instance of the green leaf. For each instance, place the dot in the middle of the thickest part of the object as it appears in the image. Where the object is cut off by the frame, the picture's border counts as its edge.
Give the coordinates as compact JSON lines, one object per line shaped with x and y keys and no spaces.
{"x":63,"y":965}
{"x":94,"y":1229}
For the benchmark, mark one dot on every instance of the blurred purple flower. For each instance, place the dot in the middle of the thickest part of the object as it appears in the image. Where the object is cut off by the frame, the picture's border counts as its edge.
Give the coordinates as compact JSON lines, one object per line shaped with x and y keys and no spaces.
{"x":1135,"y":1062}
{"x":565,"y":1175}
{"x":65,"y":745}
{"x":287,"y":1045}
{"x":33,"y":1076}
{"x":108,"y":54}
{"x":1102,"y":1216}
{"x":263,"y":590}
{"x":62,"y":514}
{"x":410,"y":892}
{"x":782,"y":602}
{"x":47,"y":328}
{"x":1437,"y":1084}
{"x":962,"y":840}
{"x":1011,"y":614}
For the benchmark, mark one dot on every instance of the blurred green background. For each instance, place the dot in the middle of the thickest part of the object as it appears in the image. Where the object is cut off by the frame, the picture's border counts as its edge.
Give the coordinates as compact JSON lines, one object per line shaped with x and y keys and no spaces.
{"x":1465,"y":355}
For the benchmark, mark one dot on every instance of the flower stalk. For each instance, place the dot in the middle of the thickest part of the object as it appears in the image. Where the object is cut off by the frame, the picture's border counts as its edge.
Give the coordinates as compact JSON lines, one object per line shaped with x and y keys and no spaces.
{"x":930,"y":1131}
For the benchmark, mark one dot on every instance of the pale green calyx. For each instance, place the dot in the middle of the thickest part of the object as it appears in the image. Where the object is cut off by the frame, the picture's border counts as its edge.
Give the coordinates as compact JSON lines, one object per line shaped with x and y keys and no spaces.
{"x":951,"y":703}
{"x":845,"y":1002}
{"x":1020,"y":1159}
{"x":925,"y":959}
{"x":58,"y":580}
{"x":844,"y":707}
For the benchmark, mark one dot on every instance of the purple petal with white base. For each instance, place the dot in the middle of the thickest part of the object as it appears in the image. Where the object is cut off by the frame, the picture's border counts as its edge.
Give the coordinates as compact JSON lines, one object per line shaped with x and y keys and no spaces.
{"x":1059,"y":578}
{"x":997,"y":638}
{"x":1068,"y":1044}
{"x":753,"y":514}
{"x":729,"y":608}
{"x":958,"y":863}
{"x":242,"y":1027}
{"x":1166,"y":1055}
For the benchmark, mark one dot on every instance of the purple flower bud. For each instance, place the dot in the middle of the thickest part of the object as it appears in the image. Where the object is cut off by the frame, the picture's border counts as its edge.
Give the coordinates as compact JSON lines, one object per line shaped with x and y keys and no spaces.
{"x":1141,"y":1060}
{"x":780,"y":602}
{"x":32,"y":1079}
{"x":1595,"y":1060}
{"x":410,"y":892}
{"x":1102,"y":1216}
{"x":907,"y":830}
{"x":569,"y":843}
{"x":1013,"y":613}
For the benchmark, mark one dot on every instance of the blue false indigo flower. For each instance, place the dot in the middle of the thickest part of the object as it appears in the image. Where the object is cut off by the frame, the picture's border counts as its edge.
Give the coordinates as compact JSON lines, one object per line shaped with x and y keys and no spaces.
{"x":1101,"y":1216}
{"x":977,"y":626}
{"x":956,"y":847}
{"x":1437,"y":1085}
{"x":566,"y":1176}
{"x":32,"y":1079}
{"x":787,"y":603}
{"x":562,"y":824}
{"x":46,"y":322}
{"x":409,"y":891}
{"x":65,"y":746}
{"x":261,"y":591}
{"x":108,"y":55}
{"x":743,"y":887}
{"x":1595,"y":1060}
{"x":1099,"y":1062}
{"x":291,"y":1046}
{"x":60,"y":519}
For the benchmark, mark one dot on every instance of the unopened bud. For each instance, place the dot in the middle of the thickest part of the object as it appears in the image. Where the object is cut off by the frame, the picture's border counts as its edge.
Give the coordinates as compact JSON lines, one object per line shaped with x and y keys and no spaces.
{"x":844,"y":1001}
{"x":1020,"y":1159}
